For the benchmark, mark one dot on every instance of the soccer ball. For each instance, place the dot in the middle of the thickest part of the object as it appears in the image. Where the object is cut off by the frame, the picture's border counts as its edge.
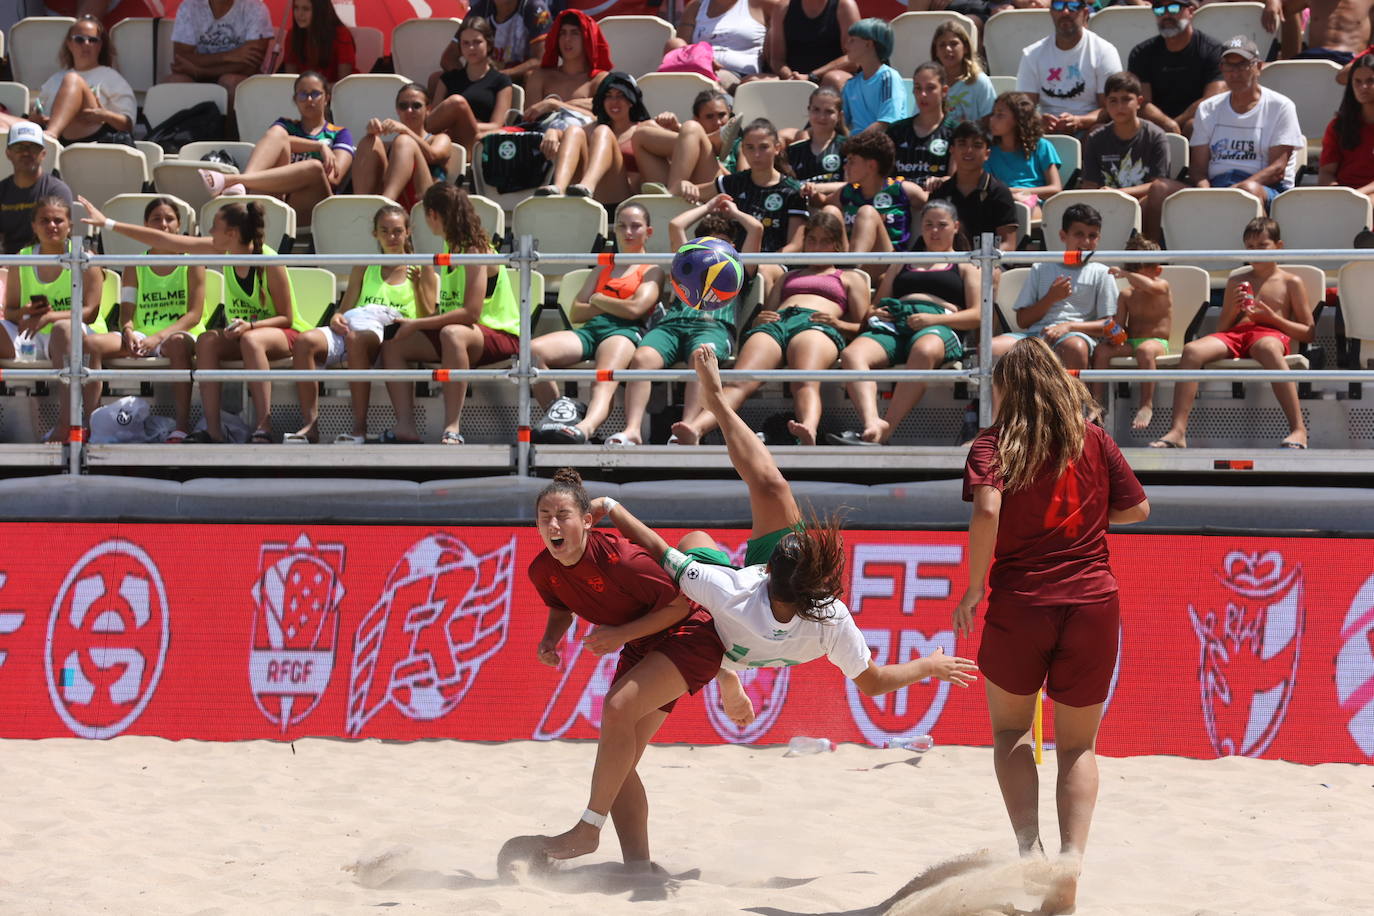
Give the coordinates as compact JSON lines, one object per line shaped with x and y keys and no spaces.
{"x":707,"y":274}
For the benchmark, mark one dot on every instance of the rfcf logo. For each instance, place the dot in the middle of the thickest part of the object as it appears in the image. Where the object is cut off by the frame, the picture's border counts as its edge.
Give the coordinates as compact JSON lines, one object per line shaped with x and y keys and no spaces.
{"x":767,"y":691}
{"x":1249,"y":651}
{"x":443,"y":612}
{"x":107,"y":639}
{"x":1355,"y":668}
{"x":295,"y":627}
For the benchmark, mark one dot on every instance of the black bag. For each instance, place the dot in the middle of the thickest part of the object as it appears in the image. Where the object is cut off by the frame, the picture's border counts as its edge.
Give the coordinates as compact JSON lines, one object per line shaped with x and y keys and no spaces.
{"x":511,"y":161}
{"x":202,"y":121}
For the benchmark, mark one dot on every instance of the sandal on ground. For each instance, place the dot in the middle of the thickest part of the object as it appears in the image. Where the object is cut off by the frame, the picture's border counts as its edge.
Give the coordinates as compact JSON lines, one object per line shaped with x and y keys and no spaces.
{"x":261,"y":437}
{"x":1165,"y":443}
{"x":201,"y":437}
{"x":850,"y":437}
{"x":451,"y":438}
{"x":349,"y":439}
{"x":175,"y":437}
{"x":299,"y":439}
{"x":390,"y":438}
{"x":1289,"y":443}
{"x":547,"y":190}
{"x":620,"y":440}
{"x":579,"y":190}
{"x":673,"y":440}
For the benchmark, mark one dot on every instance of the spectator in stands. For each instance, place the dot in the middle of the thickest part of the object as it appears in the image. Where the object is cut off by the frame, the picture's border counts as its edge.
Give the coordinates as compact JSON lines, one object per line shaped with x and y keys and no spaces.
{"x":878,"y":211}
{"x":682,"y":329}
{"x":1145,"y":310}
{"x":569,"y":72}
{"x":87,"y":101}
{"x":971,"y":94}
{"x":1245,"y":138}
{"x":414,"y":159}
{"x":477,"y":323}
{"x":875,"y":95}
{"x":736,"y":29}
{"x":1178,"y":68}
{"x":603,"y":156}
{"x":681,"y":156}
{"x":1128,"y":153}
{"x":1337,"y":30}
{"x":1064,"y":73}
{"x":219,"y":41}
{"x":375,"y":298}
{"x":1066,"y":305}
{"x":921,"y":308}
{"x":1348,"y":146}
{"x":39,"y":304}
{"x":475,"y":96}
{"x":318,"y":41}
{"x":1260,"y":327}
{"x":521,"y":27}
{"x":303,"y":160}
{"x":161,"y":311}
{"x":921,"y":142}
{"x":819,"y":156}
{"x":1021,"y":157}
{"x":806,"y":40}
{"x":984,"y":203}
{"x":26,"y":150}
{"x":258,"y":306}
{"x":806,"y":321}
{"x":612,"y":306}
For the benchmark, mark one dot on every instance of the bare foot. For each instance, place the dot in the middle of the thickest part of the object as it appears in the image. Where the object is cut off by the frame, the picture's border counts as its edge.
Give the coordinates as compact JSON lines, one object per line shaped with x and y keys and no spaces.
{"x":1143,"y":415}
{"x":707,"y":367}
{"x":805,"y":434}
{"x":579,"y":841}
{"x":878,"y":432}
{"x":1297,"y":439}
{"x":1062,"y":896}
{"x":685,"y":434}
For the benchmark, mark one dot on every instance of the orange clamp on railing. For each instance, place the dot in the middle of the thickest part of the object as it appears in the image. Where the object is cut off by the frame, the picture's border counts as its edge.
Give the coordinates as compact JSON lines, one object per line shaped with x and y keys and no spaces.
{"x":605,"y":375}
{"x":443,"y":259}
{"x":522,"y":434}
{"x":76,"y":434}
{"x":441,"y":375}
{"x":1073,"y":372}
{"x":1073,"y":257}
{"x":606,"y":259}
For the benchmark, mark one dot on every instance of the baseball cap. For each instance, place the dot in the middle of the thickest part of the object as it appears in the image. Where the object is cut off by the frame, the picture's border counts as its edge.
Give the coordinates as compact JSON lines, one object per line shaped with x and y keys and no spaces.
{"x":877,"y":31}
{"x":1240,"y":45}
{"x":25,"y":132}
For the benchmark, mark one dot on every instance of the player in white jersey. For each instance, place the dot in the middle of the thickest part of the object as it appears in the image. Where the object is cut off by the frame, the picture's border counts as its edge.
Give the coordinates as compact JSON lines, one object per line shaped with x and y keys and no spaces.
{"x":783,"y":608}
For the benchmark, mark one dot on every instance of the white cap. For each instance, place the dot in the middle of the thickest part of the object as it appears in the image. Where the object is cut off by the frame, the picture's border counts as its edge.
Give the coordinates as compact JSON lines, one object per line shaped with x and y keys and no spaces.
{"x":25,"y":132}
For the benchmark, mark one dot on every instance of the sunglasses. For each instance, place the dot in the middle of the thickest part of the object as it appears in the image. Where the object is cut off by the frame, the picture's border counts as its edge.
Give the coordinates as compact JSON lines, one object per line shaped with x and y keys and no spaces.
{"x":1067,"y":6}
{"x":86,"y":39}
{"x":409,"y":106}
{"x":309,"y":95}
{"x":1171,"y":9}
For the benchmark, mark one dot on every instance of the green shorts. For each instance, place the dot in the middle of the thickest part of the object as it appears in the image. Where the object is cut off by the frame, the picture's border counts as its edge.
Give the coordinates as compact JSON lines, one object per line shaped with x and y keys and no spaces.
{"x":793,"y":322}
{"x":758,"y":550}
{"x":897,"y":344}
{"x":675,"y":338}
{"x":604,"y":327}
{"x":1137,"y":341}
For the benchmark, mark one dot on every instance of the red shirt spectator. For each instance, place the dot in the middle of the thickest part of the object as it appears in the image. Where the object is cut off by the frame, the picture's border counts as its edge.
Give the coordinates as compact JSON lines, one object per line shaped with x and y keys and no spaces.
{"x":318,"y":41}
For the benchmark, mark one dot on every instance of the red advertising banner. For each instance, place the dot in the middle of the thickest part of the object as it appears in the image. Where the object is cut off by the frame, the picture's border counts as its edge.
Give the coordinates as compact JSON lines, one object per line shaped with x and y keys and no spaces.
{"x":1230,"y":645}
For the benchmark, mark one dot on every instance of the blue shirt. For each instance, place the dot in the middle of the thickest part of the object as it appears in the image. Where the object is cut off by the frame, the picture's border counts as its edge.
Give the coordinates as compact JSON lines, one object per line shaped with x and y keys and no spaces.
{"x":969,"y":102}
{"x":881,"y":98}
{"x":1017,"y":170}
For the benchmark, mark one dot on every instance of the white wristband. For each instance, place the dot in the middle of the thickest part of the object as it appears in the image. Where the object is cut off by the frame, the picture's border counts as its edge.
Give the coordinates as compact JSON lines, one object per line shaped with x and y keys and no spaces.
{"x":610,"y":502}
{"x":596,"y":820}
{"x":109,"y":223}
{"x":128,"y":294}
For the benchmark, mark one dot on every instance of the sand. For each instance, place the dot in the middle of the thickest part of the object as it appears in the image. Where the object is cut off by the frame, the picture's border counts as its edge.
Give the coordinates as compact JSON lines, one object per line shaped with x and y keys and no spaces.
{"x":147,"y":826}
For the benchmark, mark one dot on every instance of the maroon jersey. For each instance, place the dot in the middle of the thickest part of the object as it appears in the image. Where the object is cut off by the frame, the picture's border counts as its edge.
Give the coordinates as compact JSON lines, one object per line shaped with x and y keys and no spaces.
{"x":1052,"y":535}
{"x":614,"y":582}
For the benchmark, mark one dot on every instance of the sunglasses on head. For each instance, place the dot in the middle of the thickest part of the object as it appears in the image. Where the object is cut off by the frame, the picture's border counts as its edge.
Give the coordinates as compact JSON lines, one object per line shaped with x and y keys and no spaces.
{"x":86,"y":39}
{"x":1067,"y":6}
{"x":1170,"y":9}
{"x":309,"y":95}
{"x":409,"y":106}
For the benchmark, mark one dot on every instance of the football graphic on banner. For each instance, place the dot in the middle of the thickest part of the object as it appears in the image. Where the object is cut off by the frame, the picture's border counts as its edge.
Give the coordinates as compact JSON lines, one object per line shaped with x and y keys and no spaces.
{"x":766,"y":689}
{"x":1355,"y":669}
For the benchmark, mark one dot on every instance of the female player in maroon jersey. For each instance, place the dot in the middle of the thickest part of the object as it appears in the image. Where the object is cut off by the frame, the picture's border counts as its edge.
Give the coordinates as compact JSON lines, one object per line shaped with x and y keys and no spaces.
{"x":1044,"y":486}
{"x":669,"y":648}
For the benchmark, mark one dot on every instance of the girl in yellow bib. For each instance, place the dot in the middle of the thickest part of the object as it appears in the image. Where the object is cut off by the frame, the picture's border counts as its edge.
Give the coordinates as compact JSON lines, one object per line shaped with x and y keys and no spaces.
{"x":375,"y":298}
{"x":478,"y":320}
{"x":257,"y":306}
{"x":160,"y":312}
{"x":40,"y":303}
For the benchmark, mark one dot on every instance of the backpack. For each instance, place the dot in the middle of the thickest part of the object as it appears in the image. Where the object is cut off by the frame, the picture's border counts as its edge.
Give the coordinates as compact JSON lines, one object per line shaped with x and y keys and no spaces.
{"x":511,"y":160}
{"x":202,"y":121}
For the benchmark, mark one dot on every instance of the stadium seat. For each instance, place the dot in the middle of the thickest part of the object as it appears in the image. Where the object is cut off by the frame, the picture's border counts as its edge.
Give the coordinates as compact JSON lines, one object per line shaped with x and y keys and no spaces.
{"x":661,"y":209}
{"x":99,"y":171}
{"x":1178,"y":154}
{"x":1312,"y":86}
{"x":1190,"y":289}
{"x":260,"y":100}
{"x":674,"y":92}
{"x":1006,"y":35}
{"x":1321,"y":218}
{"x":492,"y":216}
{"x":34,"y":43}
{"x":781,"y":101}
{"x":165,"y":99}
{"x":1226,"y":20}
{"x":359,"y":98}
{"x":1002,"y":83}
{"x":238,"y":150}
{"x":567,"y":297}
{"x":179,"y":178}
{"x":128,"y":208}
{"x":368,"y":43}
{"x":15,"y":98}
{"x":279,"y":230}
{"x":417,"y":45}
{"x":313,"y":290}
{"x":133,"y":41}
{"x":343,"y":225}
{"x":152,"y":153}
{"x":1226,"y":210}
{"x":52,"y":163}
{"x":636,"y":42}
{"x":1008,"y":288}
{"x":1070,"y":155}
{"x":517,"y":98}
{"x":913,"y":32}
{"x":1120,"y":216}
{"x":1023,"y":222}
{"x":1314,"y":281}
{"x":164,"y":48}
{"x":561,"y":225}
{"x":1124,"y":27}
{"x":1355,"y":281}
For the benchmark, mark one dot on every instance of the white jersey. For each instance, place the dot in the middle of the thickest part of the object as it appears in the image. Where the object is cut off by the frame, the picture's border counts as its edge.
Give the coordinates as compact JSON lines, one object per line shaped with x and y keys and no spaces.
{"x":753,"y":637}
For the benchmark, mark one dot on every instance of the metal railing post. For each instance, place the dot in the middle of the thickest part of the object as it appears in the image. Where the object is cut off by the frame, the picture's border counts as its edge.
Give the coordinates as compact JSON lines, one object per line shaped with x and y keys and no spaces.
{"x":75,"y":260}
{"x":987,"y":257}
{"x":525,"y":258}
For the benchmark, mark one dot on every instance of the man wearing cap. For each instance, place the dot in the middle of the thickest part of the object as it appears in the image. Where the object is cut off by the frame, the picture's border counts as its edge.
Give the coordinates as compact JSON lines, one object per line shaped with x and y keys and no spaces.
{"x":28,"y":185}
{"x":1065,"y":72}
{"x":1243,"y":138}
{"x":1177,"y":68}
{"x":876,"y":94}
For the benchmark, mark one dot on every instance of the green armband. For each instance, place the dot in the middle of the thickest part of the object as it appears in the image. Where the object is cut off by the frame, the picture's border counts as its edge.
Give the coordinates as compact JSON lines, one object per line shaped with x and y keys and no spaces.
{"x":675,"y":561}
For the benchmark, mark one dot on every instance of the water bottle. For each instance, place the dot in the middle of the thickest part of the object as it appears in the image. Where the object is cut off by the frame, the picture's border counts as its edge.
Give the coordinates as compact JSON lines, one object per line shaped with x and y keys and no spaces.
{"x":1113,"y":332}
{"x":28,"y":348}
{"x":801,"y":746}
{"x":919,"y":743}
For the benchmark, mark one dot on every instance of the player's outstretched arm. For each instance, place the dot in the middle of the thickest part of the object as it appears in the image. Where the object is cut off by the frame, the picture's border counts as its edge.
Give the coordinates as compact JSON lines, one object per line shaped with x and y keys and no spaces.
{"x":880,"y":679}
{"x":638,"y":532}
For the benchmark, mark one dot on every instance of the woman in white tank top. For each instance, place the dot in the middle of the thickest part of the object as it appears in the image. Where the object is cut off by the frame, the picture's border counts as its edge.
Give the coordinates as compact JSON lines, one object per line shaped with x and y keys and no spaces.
{"x":735,"y":34}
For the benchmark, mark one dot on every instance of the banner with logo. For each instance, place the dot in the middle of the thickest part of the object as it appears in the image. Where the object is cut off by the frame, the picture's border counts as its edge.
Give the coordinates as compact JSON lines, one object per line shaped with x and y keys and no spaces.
{"x":1229,"y":645}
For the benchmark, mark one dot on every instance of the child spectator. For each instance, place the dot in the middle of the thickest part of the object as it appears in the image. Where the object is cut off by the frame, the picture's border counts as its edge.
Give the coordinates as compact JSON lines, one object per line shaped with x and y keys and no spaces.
{"x":819,"y":156}
{"x":1021,"y":156}
{"x":875,"y":95}
{"x":475,"y":95}
{"x":766,"y":193}
{"x":1128,"y":153}
{"x":219,"y":41}
{"x":1348,"y":146}
{"x":1145,"y":310}
{"x":878,"y":211}
{"x":921,"y":143}
{"x":1068,"y":306}
{"x":1259,"y":326}
{"x":570,"y":69}
{"x":984,"y":203}
{"x":87,"y":101}
{"x":521,"y":27}
{"x":603,"y":156}
{"x":318,"y":40}
{"x":414,"y":159}
{"x":971,"y":93}
{"x":681,"y":156}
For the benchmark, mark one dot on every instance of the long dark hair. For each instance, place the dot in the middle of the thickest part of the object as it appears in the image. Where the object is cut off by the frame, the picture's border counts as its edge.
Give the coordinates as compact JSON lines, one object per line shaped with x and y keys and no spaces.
{"x":387,"y":210}
{"x":780,"y":161}
{"x":318,"y":36}
{"x":161,"y":202}
{"x":567,"y":482}
{"x":626,"y":85}
{"x":1350,"y":116}
{"x":806,"y":569}
{"x":250,"y":222}
{"x":462,"y":228}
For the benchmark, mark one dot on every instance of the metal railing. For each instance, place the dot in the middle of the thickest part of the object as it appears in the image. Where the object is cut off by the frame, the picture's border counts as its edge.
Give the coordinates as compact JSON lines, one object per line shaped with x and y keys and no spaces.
{"x":526,"y":258}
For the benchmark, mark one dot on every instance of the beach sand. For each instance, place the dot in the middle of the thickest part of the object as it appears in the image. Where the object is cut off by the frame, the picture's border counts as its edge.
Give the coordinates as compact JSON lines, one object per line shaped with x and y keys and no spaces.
{"x":147,"y":826}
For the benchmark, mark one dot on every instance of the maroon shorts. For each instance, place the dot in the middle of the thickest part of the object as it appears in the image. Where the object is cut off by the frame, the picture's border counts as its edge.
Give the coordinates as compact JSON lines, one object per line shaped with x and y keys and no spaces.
{"x":1239,"y":340}
{"x":691,"y":645}
{"x":496,"y":345}
{"x":1072,"y":645}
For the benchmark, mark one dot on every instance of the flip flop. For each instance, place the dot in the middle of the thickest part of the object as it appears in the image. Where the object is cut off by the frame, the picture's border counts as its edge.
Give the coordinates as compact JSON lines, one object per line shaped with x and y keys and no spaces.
{"x":547,"y":190}
{"x":349,"y":439}
{"x":390,"y":438}
{"x":1289,"y":443}
{"x":298,"y":439}
{"x":620,"y":440}
{"x":260,"y":437}
{"x":175,"y":437}
{"x":850,"y":437}
{"x":1165,"y":443}
{"x":214,"y":181}
{"x":579,"y":190}
{"x":451,"y":438}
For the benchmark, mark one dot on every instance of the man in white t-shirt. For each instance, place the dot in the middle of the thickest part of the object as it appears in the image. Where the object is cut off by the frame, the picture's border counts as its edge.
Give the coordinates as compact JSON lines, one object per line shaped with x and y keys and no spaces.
{"x":219,"y":41}
{"x":1066,"y":72}
{"x":1246,"y":137}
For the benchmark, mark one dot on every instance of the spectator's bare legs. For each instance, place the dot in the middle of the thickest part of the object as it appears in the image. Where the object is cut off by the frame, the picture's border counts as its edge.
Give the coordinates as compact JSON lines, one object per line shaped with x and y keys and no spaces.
{"x":1152,"y":212}
{"x":808,"y":350}
{"x":865,"y":353}
{"x":309,"y":352}
{"x":1269,"y":353}
{"x":759,"y":352}
{"x":572,"y":150}
{"x":272,"y":150}
{"x":612,"y":353}
{"x":1195,"y":355}
{"x":454,"y":116}
{"x":637,"y":394}
{"x":362,"y":352}
{"x":370,"y":162}
{"x":1002,"y":343}
{"x":693,"y":160}
{"x":230,"y":82}
{"x":604,"y":160}
{"x":59,"y":345}
{"x":179,"y":349}
{"x":926,"y":353}
{"x":73,"y":97}
{"x":1146,"y":354}
{"x":407,"y":166}
{"x":211,"y":347}
{"x":303,"y":184}
{"x":461,"y":346}
{"x":1073,"y":352}
{"x":398,"y":353}
{"x":259,"y":348}
{"x":561,"y":348}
